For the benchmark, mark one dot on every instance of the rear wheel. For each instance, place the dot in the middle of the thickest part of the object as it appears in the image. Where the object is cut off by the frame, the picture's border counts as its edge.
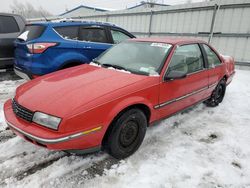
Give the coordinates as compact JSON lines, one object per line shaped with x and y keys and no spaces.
{"x":127,"y":133}
{"x":217,"y":95}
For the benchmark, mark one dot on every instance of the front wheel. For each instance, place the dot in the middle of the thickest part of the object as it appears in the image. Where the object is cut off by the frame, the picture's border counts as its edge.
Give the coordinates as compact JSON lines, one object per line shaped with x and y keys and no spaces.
{"x":127,"y":133}
{"x":217,"y":95}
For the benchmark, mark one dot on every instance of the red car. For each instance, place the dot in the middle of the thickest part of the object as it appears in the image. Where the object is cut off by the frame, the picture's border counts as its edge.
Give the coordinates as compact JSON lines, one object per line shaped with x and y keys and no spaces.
{"x":109,"y":103}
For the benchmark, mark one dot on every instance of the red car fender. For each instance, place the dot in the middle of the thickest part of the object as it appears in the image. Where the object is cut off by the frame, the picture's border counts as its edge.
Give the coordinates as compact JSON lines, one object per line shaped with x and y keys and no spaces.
{"x":127,"y":102}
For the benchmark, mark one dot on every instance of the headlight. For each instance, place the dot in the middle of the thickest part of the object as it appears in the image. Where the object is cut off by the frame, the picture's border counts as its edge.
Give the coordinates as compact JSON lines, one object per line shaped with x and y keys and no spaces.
{"x":46,"y":120}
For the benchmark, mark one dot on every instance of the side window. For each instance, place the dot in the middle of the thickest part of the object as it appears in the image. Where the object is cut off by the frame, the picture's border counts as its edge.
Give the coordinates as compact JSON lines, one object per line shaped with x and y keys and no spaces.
{"x":68,"y":32}
{"x":213,"y":59}
{"x":8,"y":24}
{"x":93,"y":35}
{"x":119,"y":36}
{"x":187,"y":59}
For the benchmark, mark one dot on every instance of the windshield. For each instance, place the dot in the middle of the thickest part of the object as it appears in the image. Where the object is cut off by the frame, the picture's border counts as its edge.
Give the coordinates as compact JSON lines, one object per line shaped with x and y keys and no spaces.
{"x":137,"y":57}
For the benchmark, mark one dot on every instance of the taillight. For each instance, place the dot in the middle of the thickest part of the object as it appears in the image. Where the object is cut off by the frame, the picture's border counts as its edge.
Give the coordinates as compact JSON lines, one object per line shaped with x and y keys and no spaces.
{"x":38,"y":48}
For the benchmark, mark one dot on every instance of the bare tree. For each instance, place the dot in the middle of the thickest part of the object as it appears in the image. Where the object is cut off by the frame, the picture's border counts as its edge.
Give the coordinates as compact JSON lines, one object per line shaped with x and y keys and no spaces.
{"x":27,"y":10}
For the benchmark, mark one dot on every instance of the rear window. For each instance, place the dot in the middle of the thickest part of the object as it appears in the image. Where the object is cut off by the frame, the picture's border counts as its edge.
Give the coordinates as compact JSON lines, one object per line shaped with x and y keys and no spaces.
{"x":69,"y":32}
{"x":8,"y":24}
{"x":32,"y":32}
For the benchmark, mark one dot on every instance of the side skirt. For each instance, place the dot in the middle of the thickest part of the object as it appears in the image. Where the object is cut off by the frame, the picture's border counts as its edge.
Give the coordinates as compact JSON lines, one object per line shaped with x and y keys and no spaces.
{"x":175,"y":113}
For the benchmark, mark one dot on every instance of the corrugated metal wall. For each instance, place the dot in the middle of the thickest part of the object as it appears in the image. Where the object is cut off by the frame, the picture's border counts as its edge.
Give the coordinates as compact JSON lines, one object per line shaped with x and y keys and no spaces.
{"x":231,"y":24}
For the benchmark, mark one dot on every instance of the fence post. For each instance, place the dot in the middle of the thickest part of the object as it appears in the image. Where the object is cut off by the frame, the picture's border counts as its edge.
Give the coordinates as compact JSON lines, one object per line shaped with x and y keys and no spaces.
{"x":107,"y":17}
{"x":211,"y":33}
{"x":150,"y":23}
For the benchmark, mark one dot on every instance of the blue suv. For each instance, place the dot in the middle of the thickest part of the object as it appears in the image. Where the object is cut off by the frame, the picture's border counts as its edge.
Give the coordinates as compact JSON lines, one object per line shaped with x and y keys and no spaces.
{"x":47,"y":47}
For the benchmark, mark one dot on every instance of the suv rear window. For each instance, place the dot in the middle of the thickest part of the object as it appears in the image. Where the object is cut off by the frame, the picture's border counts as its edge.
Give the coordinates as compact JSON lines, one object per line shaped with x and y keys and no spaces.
{"x":32,"y":32}
{"x":69,"y":32}
{"x":8,"y":24}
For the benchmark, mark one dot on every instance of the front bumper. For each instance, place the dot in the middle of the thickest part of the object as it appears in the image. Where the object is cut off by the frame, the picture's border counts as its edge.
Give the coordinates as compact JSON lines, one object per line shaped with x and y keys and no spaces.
{"x":50,"y":141}
{"x":54,"y":140}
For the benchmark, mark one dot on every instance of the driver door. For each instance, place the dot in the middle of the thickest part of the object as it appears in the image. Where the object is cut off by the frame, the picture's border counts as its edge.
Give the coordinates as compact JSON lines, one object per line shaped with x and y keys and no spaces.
{"x":177,"y":94}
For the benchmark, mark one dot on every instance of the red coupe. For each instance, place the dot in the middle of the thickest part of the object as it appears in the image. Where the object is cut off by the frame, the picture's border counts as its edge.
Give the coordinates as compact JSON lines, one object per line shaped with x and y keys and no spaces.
{"x":109,"y":103}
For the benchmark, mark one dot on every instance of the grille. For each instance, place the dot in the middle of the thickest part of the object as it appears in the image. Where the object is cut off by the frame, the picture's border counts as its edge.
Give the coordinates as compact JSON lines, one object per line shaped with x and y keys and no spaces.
{"x":22,"y":112}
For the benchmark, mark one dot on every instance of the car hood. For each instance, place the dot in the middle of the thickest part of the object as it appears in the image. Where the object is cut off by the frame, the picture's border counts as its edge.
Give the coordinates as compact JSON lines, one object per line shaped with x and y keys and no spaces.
{"x":61,"y":92}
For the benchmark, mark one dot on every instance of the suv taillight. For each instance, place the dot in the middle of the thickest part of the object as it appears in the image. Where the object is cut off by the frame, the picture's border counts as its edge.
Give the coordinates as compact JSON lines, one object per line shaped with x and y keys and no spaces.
{"x":38,"y":48}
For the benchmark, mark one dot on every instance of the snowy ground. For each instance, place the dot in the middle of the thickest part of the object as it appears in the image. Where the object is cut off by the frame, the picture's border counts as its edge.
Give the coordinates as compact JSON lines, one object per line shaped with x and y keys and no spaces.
{"x":203,"y":147}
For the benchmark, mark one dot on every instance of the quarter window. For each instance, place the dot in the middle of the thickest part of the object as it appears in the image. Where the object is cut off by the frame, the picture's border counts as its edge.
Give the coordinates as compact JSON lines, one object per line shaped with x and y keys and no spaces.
{"x":68,"y":32}
{"x":8,"y":24}
{"x":119,"y":36}
{"x":32,"y":32}
{"x":187,"y":59}
{"x":94,"y":35}
{"x":212,"y":58}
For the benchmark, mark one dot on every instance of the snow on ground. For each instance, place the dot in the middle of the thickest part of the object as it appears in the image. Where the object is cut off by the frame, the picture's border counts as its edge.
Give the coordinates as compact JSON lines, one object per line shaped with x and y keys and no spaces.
{"x":203,"y":147}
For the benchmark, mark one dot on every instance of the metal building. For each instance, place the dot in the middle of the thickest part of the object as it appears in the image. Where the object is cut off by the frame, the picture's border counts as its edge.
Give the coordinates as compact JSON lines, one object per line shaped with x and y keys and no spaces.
{"x":225,"y":23}
{"x":147,"y":5}
{"x":81,"y":10}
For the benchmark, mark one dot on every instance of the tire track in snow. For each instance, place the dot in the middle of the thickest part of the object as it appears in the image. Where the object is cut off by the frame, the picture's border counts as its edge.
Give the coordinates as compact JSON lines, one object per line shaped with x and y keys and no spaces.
{"x":6,"y":135}
{"x":95,"y":169}
{"x":29,"y":170}
{"x":36,"y":167}
{"x":97,"y":166}
{"x":20,"y":155}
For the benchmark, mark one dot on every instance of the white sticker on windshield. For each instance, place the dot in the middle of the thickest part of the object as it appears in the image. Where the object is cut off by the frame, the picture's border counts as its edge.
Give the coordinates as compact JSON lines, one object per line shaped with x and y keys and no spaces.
{"x":150,"y":70}
{"x":161,"y":45}
{"x":144,"y":69}
{"x":24,"y":35}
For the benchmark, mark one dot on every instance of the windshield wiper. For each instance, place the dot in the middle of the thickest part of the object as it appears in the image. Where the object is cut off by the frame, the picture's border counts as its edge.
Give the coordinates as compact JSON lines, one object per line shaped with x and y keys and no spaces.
{"x":115,"y":66}
{"x":96,"y":62}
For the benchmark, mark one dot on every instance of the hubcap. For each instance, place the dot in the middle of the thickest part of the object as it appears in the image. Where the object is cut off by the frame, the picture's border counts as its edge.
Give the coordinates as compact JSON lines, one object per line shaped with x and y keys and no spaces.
{"x":128,"y":133}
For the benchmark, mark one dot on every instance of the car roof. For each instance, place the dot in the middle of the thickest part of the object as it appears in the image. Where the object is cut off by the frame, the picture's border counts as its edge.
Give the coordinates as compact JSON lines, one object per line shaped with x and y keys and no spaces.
{"x":72,"y":23}
{"x":169,"y":40}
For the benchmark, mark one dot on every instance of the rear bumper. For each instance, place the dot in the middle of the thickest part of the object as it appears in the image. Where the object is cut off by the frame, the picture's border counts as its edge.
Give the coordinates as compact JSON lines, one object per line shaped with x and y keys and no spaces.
{"x":230,"y":78}
{"x":23,"y":74}
{"x":52,"y":139}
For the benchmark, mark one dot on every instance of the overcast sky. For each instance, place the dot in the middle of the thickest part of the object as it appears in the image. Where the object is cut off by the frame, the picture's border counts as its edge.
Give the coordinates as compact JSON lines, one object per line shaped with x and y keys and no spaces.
{"x":58,"y":6}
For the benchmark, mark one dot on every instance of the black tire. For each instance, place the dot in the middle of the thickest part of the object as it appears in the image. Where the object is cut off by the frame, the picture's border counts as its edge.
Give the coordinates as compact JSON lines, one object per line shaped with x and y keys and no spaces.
{"x":217,"y":95}
{"x":127,"y":134}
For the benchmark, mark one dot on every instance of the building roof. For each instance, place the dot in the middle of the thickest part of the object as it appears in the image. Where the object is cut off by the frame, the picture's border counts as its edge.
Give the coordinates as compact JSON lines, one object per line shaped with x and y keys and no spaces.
{"x":147,"y":3}
{"x":83,"y":6}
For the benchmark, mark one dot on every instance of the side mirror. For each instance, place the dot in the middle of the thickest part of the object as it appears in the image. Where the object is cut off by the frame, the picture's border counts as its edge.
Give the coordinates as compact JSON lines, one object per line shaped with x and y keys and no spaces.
{"x":174,"y":75}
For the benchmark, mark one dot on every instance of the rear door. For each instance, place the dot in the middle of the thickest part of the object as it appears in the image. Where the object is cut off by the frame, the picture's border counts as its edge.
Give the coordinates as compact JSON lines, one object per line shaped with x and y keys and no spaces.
{"x":9,"y":29}
{"x":178,"y":94}
{"x":93,"y":40}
